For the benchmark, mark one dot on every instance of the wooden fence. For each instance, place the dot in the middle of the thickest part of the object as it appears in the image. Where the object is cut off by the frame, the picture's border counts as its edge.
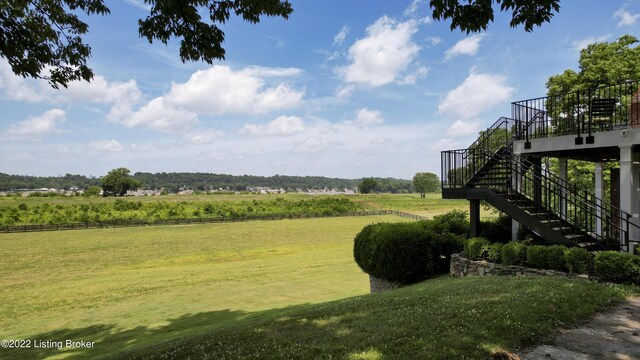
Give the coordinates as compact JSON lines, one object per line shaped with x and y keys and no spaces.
{"x":134,"y":223}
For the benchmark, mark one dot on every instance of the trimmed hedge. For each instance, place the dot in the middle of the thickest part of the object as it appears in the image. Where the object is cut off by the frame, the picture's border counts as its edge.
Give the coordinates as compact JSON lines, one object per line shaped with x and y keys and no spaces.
{"x":476,"y":248}
{"x":579,"y":260}
{"x":617,"y":267}
{"x":546,"y":257}
{"x":514,"y":253}
{"x":405,"y":252}
{"x":498,"y":230}
{"x":454,"y":222}
{"x":495,"y":253}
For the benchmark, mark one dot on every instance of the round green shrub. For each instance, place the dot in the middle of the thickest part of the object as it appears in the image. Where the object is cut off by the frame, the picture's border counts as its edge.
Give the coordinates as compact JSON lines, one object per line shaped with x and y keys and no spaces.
{"x":495,"y":253}
{"x":404,"y":252}
{"x":546,"y":257}
{"x":578,"y":260}
{"x":514,"y":253}
{"x":617,"y":267}
{"x":476,"y":248}
{"x":636,"y":250}
{"x":498,"y":230}
{"x":454,"y":221}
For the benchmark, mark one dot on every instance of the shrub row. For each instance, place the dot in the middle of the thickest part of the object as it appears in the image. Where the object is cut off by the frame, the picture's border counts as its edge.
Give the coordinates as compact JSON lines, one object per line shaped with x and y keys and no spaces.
{"x":607,"y":265}
{"x":408,"y":252}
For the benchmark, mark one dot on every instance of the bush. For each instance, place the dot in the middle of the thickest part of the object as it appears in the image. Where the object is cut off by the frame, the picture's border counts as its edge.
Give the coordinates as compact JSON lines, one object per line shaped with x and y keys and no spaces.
{"x":495,"y":253}
{"x":454,"y":221}
{"x":617,"y":267}
{"x":498,"y":230}
{"x":578,"y":260}
{"x":546,"y":257}
{"x":476,"y":248}
{"x":636,"y":250}
{"x":404,"y":252}
{"x":514,"y":253}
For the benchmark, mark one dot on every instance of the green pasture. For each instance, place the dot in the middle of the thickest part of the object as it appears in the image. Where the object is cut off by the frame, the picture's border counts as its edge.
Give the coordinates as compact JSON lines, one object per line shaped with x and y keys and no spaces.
{"x":131,"y":287}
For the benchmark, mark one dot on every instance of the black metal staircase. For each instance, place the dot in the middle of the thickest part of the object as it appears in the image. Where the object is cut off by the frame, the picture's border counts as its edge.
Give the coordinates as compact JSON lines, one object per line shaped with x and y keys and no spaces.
{"x":520,"y":187}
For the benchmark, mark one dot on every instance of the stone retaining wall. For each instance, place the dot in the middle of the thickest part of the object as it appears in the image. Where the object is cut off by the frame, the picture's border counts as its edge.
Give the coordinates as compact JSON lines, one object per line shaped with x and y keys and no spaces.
{"x":461,"y":267}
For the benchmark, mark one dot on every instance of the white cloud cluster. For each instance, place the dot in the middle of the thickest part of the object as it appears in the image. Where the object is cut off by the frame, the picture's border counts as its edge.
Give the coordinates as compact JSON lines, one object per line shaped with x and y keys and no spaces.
{"x":382,"y":56}
{"x":112,"y":146}
{"x":203,"y":137}
{"x":281,"y":126}
{"x":38,"y":126}
{"x":626,"y":18}
{"x":366,"y":118}
{"x":466,"y":46}
{"x":476,"y":94}
{"x":217,"y":90}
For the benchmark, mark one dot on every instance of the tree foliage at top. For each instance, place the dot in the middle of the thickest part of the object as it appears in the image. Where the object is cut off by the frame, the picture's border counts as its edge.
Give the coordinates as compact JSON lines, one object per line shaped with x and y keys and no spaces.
{"x":43,"y":38}
{"x":475,"y":15}
{"x":117,"y":182}
{"x":367,"y":185}
{"x":600,"y":64}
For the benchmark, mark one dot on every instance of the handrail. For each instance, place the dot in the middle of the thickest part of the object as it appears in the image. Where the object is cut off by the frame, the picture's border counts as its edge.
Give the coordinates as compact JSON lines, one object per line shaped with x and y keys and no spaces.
{"x":570,"y":113}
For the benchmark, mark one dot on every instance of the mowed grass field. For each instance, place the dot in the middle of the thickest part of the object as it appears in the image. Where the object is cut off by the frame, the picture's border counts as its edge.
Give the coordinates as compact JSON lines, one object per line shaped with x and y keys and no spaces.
{"x":131,"y":287}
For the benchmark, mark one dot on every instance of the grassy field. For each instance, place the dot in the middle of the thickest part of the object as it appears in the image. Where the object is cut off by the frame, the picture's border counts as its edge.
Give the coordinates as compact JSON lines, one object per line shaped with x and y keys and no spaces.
{"x":433,"y":203}
{"x":125,"y":288}
{"x":443,"y":318}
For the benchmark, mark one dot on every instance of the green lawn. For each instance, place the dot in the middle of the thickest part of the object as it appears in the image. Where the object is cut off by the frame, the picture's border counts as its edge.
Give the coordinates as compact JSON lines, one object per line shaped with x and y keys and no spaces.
{"x":131,"y":287}
{"x":443,"y":318}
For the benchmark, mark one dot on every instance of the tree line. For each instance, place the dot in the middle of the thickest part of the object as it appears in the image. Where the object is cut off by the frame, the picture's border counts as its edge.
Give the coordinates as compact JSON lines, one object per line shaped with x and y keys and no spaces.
{"x":174,"y":182}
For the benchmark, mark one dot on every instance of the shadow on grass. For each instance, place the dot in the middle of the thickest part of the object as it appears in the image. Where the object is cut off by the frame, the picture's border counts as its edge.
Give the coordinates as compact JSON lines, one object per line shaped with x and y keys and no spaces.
{"x":439,"y":319}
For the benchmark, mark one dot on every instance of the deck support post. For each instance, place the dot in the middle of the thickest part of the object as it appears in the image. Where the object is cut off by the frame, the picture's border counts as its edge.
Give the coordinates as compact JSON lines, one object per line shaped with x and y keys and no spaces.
{"x":629,"y":184}
{"x":474,"y":214}
{"x":598,"y":193}
{"x":563,"y":175}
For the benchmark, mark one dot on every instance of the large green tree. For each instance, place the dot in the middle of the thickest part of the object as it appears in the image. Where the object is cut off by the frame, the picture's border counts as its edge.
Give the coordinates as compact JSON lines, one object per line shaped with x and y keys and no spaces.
{"x":117,"y":182}
{"x":44,"y":38}
{"x":425,"y":183}
{"x":367,"y":185}
{"x":600,"y":64}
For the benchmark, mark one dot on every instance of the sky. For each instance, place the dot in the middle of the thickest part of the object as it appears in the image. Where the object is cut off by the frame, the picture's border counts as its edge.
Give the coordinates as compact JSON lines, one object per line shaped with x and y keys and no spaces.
{"x":343,"y":88}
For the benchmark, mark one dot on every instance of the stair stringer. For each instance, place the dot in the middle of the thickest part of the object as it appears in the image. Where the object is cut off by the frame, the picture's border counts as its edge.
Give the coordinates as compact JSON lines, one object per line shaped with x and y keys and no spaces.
{"x":518,"y":214}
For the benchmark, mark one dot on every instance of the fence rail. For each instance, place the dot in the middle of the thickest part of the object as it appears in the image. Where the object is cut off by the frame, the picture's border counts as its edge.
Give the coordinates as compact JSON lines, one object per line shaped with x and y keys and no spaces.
{"x":186,"y":221}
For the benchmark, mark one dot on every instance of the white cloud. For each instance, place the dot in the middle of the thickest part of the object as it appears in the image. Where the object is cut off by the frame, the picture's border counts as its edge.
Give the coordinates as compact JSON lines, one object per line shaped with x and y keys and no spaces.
{"x":311,"y":145}
{"x":444,"y":144}
{"x":203,"y":137}
{"x":106,"y":146}
{"x":340,"y":36}
{"x":281,"y":126}
{"x":467,"y":46}
{"x":37,"y":127}
{"x":366,"y":118}
{"x":159,"y":116}
{"x":18,"y":88}
{"x":582,"y":44}
{"x":477,"y":93}
{"x":463,"y":127}
{"x":434,"y":40}
{"x":220,"y":90}
{"x":381,"y":56}
{"x":410,"y":79}
{"x":626,"y":18}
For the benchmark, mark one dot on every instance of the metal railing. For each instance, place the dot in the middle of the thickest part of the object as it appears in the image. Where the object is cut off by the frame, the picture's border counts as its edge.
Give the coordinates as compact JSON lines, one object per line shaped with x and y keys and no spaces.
{"x":576,"y":112}
{"x":458,"y":167}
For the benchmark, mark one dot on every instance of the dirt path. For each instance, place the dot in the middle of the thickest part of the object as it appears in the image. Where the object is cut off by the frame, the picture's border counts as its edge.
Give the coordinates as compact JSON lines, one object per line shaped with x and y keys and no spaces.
{"x":614,"y":334}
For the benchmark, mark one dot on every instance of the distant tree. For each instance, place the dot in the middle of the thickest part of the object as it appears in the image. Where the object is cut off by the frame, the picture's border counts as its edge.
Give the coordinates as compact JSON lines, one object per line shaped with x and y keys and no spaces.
{"x":426,"y":183}
{"x":92,"y":191}
{"x":475,"y":15}
{"x":117,"y":182}
{"x":367,"y":185}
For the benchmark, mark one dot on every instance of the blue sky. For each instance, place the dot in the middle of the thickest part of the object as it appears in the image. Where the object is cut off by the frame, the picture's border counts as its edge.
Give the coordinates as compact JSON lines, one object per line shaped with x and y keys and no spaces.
{"x":342,"y":89}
